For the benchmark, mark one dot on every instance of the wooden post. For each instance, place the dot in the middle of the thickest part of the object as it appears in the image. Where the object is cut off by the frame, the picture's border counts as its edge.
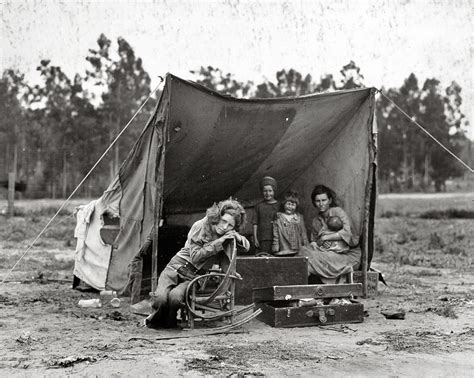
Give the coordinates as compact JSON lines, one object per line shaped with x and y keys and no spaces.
{"x":160,"y":173}
{"x":11,"y":184}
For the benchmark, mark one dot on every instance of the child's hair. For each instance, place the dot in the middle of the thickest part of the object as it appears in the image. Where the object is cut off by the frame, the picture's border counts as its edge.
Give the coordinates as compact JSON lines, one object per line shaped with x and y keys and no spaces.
{"x":334,"y":223}
{"x":290,"y":196}
{"x":268,"y":180}
{"x":231,"y":207}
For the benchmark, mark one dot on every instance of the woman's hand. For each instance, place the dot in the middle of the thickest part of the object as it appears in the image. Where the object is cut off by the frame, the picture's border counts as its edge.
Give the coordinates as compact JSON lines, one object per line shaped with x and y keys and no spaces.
{"x":232,"y":235}
{"x":324,"y":238}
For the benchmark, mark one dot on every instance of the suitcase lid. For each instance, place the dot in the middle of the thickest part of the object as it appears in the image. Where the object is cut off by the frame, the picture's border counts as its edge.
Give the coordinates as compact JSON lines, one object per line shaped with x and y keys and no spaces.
{"x":295,"y":292}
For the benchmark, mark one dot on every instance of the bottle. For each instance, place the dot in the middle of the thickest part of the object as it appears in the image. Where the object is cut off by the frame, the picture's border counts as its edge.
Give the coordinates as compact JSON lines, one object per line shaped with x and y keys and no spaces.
{"x":89,"y":303}
{"x":110,"y":297}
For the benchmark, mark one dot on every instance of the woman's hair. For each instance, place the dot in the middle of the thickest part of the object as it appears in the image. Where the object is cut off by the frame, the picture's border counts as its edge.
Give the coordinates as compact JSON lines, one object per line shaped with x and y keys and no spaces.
{"x":231,"y":207}
{"x":322,"y":189}
{"x":291,"y":196}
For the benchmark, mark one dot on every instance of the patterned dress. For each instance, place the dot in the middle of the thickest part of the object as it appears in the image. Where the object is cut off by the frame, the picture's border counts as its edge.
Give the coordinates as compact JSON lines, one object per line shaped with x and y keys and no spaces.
{"x":289,"y":233}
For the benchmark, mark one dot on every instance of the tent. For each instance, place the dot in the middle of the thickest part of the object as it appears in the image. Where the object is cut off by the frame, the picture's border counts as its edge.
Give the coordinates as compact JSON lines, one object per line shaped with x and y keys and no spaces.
{"x":200,"y":147}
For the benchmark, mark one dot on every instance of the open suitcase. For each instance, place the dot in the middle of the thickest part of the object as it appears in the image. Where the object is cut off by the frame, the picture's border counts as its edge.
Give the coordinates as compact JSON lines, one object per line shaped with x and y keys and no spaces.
{"x":309,"y":305}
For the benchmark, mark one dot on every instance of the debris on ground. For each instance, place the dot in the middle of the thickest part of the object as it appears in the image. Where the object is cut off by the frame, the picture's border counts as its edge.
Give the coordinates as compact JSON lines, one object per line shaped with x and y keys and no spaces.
{"x":368,"y":341}
{"x":25,"y":338}
{"x":394,"y":314}
{"x":69,"y":361}
{"x":116,"y":315}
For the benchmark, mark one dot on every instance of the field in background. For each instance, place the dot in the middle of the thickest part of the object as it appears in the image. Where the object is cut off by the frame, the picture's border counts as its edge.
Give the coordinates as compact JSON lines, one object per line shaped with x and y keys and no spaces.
{"x":416,"y":204}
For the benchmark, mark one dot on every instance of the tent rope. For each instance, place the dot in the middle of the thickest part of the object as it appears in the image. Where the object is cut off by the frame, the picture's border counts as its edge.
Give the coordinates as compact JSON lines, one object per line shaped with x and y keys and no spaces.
{"x":426,"y":131}
{"x":83,"y":180}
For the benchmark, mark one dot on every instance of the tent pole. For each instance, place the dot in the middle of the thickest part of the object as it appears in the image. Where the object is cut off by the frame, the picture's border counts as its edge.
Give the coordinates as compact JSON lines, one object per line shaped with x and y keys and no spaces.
{"x":368,"y":197}
{"x":365,"y":249}
{"x":158,"y":206}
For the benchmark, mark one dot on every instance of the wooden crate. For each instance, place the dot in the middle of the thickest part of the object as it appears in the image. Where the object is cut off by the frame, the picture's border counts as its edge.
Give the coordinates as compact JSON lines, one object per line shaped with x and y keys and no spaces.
{"x":372,"y":281}
{"x":260,"y":272}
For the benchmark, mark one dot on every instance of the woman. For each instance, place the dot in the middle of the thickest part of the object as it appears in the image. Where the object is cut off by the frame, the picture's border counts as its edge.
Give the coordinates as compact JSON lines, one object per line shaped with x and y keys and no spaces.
{"x":203,"y":248}
{"x":328,"y":266}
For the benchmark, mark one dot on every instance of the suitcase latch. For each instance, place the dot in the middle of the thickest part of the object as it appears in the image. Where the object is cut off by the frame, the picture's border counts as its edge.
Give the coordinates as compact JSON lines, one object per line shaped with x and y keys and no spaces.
{"x":319,"y":293}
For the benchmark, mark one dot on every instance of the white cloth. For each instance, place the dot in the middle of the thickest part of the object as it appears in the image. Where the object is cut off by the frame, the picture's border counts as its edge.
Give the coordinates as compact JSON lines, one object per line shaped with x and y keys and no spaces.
{"x":92,"y":254}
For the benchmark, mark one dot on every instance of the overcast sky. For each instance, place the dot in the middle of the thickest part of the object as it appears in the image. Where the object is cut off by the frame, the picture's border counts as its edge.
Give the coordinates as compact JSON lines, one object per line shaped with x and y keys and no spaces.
{"x":252,"y":39}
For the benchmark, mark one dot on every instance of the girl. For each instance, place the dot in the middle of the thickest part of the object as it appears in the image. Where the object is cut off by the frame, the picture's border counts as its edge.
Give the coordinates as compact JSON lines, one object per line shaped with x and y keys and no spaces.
{"x":264,"y":214}
{"x":289,"y":231}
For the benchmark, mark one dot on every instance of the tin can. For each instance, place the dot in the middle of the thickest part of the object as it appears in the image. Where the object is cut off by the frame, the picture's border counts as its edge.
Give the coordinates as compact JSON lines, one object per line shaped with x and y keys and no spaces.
{"x":89,"y":303}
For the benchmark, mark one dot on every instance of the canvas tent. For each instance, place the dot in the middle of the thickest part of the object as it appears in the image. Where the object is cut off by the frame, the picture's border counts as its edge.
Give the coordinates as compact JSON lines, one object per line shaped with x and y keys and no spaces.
{"x":200,"y":147}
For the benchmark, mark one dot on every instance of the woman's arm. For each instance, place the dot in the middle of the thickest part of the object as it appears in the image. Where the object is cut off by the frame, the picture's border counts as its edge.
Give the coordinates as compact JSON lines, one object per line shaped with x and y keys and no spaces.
{"x":199,"y":248}
{"x":345,"y":233}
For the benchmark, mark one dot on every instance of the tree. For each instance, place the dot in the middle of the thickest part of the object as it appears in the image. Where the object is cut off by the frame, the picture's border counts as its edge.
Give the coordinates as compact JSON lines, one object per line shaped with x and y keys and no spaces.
{"x":226,"y":84}
{"x":406,"y":152}
{"x":351,"y":77}
{"x":124,"y":85}
{"x":13,"y":123}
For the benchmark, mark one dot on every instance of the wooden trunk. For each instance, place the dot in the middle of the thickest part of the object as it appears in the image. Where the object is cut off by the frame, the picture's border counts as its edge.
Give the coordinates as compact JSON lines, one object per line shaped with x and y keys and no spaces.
{"x":259,"y":272}
{"x":282,"y":306}
{"x":372,"y":281}
{"x":276,"y":314}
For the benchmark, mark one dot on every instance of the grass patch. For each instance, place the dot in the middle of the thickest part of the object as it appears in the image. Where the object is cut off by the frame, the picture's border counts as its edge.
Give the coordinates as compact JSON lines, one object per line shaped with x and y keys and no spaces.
{"x":428,"y":206}
{"x":447,"y":214}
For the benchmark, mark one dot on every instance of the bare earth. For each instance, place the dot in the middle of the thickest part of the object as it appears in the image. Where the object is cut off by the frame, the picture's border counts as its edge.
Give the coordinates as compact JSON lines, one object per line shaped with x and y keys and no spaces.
{"x":426,"y":262}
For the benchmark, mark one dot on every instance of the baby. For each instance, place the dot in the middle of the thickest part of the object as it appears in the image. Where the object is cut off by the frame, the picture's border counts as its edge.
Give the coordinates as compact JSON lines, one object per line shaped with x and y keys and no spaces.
{"x":334,"y":224}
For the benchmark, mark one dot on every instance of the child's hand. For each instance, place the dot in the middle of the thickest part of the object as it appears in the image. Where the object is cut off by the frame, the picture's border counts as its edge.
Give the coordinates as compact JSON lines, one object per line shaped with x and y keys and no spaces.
{"x":314,"y":245}
{"x":257,"y":244}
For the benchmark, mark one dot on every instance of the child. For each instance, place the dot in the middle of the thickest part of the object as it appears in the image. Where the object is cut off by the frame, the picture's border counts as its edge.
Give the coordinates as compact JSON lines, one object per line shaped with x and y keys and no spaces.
{"x":264,"y":213}
{"x":289,"y":231}
{"x":334,"y":224}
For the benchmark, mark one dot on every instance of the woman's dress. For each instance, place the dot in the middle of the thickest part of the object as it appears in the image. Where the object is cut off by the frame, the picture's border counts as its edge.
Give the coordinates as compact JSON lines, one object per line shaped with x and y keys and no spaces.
{"x":329,"y":266}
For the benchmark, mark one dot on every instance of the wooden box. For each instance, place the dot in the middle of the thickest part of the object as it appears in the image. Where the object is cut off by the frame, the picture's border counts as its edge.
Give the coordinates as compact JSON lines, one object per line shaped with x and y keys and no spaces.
{"x":372,"y":281}
{"x":280,"y":305}
{"x":260,"y":272}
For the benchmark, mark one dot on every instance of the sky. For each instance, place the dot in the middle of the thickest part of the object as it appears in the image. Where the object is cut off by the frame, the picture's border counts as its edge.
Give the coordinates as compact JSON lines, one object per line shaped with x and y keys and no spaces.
{"x":388,"y":39}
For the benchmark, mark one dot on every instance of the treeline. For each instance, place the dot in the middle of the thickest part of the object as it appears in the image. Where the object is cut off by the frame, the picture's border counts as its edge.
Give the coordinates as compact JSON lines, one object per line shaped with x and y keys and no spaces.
{"x":53,"y":132}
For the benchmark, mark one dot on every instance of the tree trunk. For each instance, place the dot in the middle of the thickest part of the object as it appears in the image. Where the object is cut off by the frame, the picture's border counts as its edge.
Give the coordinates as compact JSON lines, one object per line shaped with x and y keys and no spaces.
{"x":427,"y":169}
{"x":404,"y":164}
{"x":64,"y":191}
{"x":111,"y":164}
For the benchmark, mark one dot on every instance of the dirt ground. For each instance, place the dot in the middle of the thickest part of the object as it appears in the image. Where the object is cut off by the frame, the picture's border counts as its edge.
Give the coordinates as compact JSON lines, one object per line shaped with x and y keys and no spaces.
{"x":427,"y":264}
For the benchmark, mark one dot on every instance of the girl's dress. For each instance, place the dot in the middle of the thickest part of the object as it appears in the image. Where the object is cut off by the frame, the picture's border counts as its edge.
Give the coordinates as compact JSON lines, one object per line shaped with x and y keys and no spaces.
{"x":289,"y":233}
